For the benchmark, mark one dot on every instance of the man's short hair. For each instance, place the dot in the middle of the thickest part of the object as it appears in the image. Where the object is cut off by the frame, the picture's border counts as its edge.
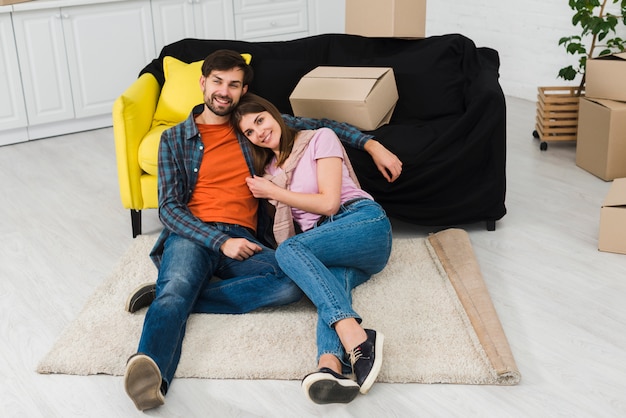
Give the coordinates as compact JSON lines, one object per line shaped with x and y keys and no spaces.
{"x":224,"y":60}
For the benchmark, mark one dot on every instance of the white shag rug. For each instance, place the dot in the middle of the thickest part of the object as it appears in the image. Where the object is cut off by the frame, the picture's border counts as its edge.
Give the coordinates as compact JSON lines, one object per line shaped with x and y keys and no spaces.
{"x":430,"y":302}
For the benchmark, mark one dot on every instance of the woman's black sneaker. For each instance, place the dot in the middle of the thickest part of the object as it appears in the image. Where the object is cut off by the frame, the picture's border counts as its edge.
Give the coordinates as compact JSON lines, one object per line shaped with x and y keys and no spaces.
{"x":325,"y":386}
{"x":367,"y":359}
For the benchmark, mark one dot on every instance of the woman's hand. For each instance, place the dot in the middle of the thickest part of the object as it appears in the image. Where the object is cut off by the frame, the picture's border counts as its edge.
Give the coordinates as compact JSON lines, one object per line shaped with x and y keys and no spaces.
{"x":325,"y":202}
{"x":260,"y":187}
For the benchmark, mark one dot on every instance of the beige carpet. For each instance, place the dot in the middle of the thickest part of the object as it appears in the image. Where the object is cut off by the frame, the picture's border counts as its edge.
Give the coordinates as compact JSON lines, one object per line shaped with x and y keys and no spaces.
{"x":431,"y":303}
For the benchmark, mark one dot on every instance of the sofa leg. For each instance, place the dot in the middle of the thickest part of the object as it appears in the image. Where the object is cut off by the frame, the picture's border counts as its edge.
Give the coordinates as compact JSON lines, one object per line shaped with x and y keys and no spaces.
{"x":135,"y":221}
{"x":491,"y":225}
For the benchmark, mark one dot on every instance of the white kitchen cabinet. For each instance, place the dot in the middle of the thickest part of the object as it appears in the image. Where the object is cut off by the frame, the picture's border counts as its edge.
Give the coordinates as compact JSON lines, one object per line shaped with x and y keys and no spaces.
{"x":327,"y":16}
{"x":267,"y":20}
{"x":43,"y":62}
{"x":76,"y":60}
{"x":64,"y":62}
{"x":106,"y":45}
{"x":12,"y":111}
{"x":203,"y":19}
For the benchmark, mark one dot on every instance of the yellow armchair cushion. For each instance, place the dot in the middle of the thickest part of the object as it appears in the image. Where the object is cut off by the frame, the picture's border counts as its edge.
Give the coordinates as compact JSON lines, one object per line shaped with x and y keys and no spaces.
{"x":148,"y":153}
{"x":181,"y":90}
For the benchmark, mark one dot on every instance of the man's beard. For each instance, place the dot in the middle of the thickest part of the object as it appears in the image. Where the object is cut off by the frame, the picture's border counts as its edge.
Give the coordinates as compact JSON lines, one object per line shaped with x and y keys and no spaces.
{"x":220,"y":111}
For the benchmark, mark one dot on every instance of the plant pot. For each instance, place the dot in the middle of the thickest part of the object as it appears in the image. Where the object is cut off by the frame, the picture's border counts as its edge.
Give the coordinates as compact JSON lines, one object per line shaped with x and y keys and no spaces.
{"x":557,"y":114}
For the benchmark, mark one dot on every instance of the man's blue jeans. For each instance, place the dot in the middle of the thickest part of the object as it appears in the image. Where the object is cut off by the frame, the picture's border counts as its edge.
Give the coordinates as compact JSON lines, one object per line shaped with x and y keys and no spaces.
{"x":328,"y":261}
{"x":184,"y":286}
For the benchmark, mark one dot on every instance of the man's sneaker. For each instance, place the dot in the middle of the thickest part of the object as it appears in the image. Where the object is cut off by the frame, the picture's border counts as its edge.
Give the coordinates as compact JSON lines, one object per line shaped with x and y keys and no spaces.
{"x":141,"y":297}
{"x":325,"y":386}
{"x":142,"y":382}
{"x":366,"y":359}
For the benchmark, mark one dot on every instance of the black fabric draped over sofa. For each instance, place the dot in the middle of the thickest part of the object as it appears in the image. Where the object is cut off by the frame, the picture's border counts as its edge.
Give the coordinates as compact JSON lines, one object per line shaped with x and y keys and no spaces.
{"x":448,"y":127}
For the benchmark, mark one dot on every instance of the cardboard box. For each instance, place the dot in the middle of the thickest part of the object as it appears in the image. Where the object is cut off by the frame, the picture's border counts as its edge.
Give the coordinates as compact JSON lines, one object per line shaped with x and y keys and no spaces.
{"x":386,"y":18}
{"x":361,"y":96}
{"x":601,"y":140}
{"x":606,"y":77}
{"x":8,"y":2}
{"x":612,"y":236}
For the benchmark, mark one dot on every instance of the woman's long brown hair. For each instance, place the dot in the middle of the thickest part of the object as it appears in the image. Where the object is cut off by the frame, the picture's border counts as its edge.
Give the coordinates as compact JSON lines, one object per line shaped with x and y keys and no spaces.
{"x":261,"y":157}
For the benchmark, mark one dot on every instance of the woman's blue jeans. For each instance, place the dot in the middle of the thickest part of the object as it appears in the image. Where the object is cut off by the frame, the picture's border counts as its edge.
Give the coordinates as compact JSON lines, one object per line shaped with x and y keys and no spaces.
{"x":184,"y":286}
{"x":328,"y":261}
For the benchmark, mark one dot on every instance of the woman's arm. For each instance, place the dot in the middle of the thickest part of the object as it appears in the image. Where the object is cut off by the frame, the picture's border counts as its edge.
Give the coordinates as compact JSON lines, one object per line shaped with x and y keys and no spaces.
{"x":325,"y":202}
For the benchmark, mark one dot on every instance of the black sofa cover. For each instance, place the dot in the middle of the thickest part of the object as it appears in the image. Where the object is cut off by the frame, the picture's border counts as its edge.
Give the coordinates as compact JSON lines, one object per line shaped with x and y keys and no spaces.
{"x":448,"y":127}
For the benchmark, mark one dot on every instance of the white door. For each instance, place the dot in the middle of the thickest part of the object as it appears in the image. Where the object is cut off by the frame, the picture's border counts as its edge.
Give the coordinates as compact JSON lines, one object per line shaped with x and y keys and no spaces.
{"x":12,"y":109}
{"x":107,"y":45}
{"x":214,"y":19}
{"x":327,"y":16}
{"x":173,"y":20}
{"x":202,"y":19}
{"x":43,"y":63}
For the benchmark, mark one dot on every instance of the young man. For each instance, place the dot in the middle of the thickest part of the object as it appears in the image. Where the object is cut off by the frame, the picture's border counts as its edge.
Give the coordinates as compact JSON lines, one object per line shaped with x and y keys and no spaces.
{"x":213,"y":227}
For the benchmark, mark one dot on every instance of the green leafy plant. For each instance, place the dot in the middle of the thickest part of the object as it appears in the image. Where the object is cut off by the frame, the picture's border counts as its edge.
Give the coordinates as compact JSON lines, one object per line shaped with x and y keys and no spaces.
{"x":597,"y":32}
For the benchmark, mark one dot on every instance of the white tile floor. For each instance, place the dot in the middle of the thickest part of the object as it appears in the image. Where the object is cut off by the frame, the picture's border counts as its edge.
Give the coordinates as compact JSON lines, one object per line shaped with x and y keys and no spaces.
{"x":560,"y":301}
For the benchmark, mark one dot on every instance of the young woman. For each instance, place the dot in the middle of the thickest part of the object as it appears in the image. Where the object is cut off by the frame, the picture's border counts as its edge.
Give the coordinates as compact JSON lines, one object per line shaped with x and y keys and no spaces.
{"x":346,"y":237}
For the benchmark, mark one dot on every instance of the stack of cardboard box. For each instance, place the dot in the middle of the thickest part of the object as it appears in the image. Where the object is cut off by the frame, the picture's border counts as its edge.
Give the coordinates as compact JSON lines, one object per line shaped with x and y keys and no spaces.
{"x":386,"y":18}
{"x":612,"y":237}
{"x":601,"y":147}
{"x":601,"y":144}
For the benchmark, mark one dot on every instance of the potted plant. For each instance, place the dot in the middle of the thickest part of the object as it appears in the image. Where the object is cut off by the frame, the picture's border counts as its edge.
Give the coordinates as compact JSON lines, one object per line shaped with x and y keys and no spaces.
{"x":595,"y":22}
{"x":557,"y":117}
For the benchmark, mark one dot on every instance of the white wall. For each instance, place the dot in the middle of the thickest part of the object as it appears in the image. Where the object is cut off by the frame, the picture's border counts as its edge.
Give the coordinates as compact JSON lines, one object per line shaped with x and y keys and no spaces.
{"x":525,"y":34}
{"x":526,"y":37}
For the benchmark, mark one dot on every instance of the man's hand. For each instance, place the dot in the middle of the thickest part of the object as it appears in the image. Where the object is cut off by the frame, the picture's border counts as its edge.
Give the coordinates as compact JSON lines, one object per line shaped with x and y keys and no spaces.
{"x":387,"y":162}
{"x":239,"y":248}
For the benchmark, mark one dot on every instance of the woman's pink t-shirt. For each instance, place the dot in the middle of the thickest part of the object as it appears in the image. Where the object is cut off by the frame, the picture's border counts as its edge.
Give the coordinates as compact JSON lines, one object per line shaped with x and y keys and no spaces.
{"x":324,"y":144}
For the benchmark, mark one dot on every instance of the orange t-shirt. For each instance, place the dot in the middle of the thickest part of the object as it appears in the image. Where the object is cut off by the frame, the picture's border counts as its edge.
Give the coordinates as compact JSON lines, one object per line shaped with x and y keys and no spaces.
{"x":221,"y":193}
